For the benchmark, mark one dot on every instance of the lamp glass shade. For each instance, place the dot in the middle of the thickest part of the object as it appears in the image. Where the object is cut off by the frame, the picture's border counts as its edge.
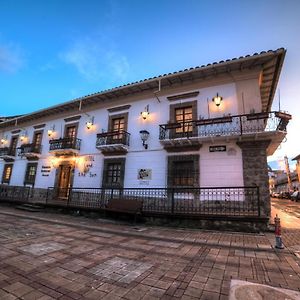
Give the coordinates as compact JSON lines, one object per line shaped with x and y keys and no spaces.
{"x":217,"y":100}
{"x":144,"y":135}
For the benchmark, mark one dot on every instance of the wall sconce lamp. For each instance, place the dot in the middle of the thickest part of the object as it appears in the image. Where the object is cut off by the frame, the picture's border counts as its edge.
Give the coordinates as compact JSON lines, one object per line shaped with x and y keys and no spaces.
{"x":4,"y":140}
{"x":51,"y":131}
{"x":89,"y":123}
{"x":144,"y":136}
{"x":217,"y":100}
{"x":23,"y":136}
{"x":145,"y":113}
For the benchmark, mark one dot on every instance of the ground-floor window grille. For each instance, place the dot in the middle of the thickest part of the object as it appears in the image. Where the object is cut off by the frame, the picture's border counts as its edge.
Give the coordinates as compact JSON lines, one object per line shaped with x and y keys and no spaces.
{"x":30,"y":173}
{"x":113,"y":172}
{"x":183,"y":173}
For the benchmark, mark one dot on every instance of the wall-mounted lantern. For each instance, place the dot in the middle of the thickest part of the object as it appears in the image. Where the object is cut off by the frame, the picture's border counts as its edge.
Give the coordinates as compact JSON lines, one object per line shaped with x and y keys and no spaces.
{"x":217,"y":100}
{"x":23,"y":136}
{"x":145,"y":113}
{"x":144,"y":137}
{"x":4,"y":140}
{"x":89,"y":123}
{"x":51,"y":131}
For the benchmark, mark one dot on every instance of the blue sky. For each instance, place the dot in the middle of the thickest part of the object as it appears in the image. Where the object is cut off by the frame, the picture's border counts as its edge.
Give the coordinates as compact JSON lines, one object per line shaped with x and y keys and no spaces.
{"x":54,"y":51}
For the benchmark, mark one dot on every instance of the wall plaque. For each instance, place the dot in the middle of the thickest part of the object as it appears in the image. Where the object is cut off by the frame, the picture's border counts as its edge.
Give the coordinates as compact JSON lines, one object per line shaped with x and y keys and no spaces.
{"x":144,"y":174}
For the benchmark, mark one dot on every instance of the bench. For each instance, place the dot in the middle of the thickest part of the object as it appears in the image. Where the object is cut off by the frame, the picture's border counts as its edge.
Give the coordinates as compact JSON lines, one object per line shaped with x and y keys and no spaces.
{"x":126,"y":206}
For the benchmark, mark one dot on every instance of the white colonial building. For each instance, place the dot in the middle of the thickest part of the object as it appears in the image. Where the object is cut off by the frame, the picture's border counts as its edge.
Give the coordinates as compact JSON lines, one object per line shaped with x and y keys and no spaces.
{"x":204,"y":127}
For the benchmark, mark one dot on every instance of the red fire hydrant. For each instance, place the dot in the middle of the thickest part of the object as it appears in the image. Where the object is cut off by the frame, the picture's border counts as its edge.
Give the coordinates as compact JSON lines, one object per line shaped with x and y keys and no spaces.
{"x":278,"y":239}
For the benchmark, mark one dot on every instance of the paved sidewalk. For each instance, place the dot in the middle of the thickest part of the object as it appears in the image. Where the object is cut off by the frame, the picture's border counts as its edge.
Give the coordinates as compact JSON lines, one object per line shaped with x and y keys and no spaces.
{"x":53,"y":256}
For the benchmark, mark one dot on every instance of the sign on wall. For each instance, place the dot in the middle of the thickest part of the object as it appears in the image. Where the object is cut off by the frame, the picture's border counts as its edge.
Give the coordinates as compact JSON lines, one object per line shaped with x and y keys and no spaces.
{"x":85,"y":165}
{"x":220,"y":148}
{"x":144,"y":174}
{"x":46,"y":170}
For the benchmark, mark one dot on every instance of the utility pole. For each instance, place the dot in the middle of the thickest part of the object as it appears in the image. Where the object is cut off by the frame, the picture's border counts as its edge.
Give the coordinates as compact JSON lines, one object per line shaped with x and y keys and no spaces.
{"x":288,"y":172}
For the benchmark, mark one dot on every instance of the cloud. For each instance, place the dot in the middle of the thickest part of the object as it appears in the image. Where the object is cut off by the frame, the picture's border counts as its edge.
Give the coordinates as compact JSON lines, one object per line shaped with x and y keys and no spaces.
{"x":96,"y":61}
{"x":11,"y":58}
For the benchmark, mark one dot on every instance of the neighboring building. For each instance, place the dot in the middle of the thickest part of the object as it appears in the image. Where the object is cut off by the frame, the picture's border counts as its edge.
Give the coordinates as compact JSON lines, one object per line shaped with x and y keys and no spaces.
{"x":208,"y":127}
{"x":297,"y":159}
{"x":281,"y":183}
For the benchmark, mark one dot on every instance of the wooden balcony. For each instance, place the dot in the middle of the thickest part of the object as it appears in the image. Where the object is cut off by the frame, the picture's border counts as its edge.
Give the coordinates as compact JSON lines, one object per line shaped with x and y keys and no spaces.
{"x":7,"y":153}
{"x":247,"y":127}
{"x":65,"y":146}
{"x":30,"y":151}
{"x":114,"y":142}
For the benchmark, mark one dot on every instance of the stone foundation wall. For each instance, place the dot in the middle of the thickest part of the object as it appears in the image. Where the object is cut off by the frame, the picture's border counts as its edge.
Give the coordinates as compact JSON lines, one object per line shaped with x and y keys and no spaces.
{"x":255,"y":171}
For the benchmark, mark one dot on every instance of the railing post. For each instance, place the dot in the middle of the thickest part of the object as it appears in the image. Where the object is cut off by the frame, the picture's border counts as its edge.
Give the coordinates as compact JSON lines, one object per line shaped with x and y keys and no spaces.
{"x":172,"y":199}
{"x":241,"y":125}
{"x":69,"y":195}
{"x":47,"y":195}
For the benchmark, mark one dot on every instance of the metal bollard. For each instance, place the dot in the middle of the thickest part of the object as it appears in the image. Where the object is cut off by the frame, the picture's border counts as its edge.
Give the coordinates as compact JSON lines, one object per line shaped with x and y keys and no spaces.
{"x":278,"y":240}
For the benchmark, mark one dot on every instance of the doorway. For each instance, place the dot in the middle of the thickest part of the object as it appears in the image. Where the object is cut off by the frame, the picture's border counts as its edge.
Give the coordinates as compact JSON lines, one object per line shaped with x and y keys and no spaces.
{"x":64,"y":180}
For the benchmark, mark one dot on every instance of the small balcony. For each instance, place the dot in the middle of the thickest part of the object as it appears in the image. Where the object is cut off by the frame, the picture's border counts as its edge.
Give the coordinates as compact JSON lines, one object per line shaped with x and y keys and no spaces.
{"x":7,"y":153}
{"x":30,"y":151}
{"x":65,"y":146}
{"x":247,"y":127}
{"x":113,"y":142}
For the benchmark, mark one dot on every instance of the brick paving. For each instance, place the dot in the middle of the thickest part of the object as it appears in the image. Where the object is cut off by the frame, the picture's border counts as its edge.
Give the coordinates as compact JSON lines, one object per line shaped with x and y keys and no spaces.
{"x":51,"y":256}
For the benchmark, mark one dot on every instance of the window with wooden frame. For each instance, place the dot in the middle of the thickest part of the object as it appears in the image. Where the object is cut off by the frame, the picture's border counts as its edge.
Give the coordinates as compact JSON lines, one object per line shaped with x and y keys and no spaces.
{"x":30,"y":173}
{"x":183,"y":114}
{"x":71,"y":131}
{"x":13,"y":145}
{"x":7,"y":173}
{"x":70,"y":135}
{"x":37,"y":140}
{"x":118,"y":123}
{"x":113,"y":172}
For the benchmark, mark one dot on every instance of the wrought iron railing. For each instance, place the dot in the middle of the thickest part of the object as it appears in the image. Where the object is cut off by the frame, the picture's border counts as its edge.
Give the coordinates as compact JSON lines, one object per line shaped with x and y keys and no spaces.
{"x":7,"y":151}
{"x":65,"y":143}
{"x":226,"y":126}
{"x":212,"y":202}
{"x":14,"y":193}
{"x":30,"y":148}
{"x":216,"y":201}
{"x":113,"y":138}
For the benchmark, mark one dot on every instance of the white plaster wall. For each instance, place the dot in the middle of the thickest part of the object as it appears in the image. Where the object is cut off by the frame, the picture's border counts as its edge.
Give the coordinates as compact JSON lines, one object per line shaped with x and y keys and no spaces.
{"x":220,"y":169}
{"x":154,"y":160}
{"x":215,"y":168}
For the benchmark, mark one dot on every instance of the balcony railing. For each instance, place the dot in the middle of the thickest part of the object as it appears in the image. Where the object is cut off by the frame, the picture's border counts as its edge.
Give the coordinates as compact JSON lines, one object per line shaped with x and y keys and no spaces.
{"x":7,"y":152}
{"x":226,"y":126}
{"x":65,"y":144}
{"x":30,"y":149}
{"x":113,"y":138}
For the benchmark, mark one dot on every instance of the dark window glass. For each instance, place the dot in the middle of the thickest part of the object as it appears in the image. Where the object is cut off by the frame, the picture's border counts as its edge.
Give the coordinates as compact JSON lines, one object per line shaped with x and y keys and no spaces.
{"x":71,"y":132}
{"x":184,"y":115}
{"x":118,"y":125}
{"x":113,"y":173}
